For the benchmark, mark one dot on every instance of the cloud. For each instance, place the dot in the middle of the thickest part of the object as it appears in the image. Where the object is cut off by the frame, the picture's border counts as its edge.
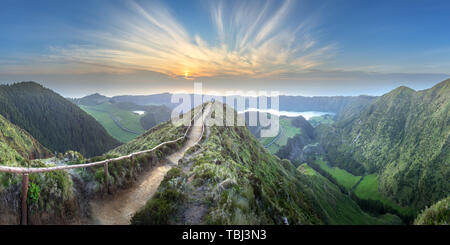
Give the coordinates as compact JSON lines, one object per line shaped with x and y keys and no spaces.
{"x":254,"y":39}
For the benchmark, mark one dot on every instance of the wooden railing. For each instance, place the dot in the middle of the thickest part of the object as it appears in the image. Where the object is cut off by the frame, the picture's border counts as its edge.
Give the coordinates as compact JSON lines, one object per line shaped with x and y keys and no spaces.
{"x":26,"y":171}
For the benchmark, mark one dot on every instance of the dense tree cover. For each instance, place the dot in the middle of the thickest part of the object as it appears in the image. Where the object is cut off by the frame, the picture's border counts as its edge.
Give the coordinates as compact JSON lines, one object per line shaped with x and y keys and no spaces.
{"x":403,"y":137}
{"x":236,"y":181}
{"x":54,"y":121}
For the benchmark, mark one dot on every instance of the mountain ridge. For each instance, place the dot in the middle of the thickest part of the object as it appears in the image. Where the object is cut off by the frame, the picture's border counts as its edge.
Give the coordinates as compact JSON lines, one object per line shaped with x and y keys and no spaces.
{"x":54,"y":121}
{"x":403,"y":136}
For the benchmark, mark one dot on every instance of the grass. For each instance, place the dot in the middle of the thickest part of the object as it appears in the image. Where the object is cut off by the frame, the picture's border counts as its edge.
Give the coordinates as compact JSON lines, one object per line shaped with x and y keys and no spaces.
{"x":368,"y":189}
{"x":343,"y":177}
{"x":324,"y":119}
{"x":289,"y":131}
{"x":337,"y":207}
{"x":127,"y":119}
{"x":241,"y":183}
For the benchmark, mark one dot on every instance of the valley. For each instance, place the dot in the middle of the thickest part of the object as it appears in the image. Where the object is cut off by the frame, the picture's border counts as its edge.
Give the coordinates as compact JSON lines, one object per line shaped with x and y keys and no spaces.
{"x":374,"y":161}
{"x":122,"y":120}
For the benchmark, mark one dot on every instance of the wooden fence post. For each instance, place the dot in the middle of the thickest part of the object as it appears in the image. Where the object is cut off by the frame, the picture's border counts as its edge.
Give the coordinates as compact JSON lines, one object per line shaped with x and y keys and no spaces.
{"x":105,"y":167}
{"x":24,"y":199}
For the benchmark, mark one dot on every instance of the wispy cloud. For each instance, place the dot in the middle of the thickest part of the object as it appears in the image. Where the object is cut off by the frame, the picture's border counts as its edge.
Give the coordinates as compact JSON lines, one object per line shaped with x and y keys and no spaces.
{"x":254,"y":39}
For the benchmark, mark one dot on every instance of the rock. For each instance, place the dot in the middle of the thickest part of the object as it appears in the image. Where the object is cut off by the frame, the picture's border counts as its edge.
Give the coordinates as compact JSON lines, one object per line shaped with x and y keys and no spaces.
{"x":227,"y":184}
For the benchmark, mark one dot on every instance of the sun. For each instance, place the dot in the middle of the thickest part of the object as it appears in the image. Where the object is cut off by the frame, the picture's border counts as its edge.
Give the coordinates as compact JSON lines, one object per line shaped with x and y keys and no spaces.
{"x":186,"y":74}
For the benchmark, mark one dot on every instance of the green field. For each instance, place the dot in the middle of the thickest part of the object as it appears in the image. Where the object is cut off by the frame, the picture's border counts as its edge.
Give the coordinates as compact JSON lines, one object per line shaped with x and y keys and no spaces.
{"x":324,"y":119}
{"x":102,"y":113}
{"x":367,"y":189}
{"x":287,"y":131}
{"x":343,"y":177}
{"x":338,"y":206}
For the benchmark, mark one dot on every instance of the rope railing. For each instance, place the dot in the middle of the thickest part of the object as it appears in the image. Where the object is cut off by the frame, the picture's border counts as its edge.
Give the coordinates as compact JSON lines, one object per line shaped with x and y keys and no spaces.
{"x":26,"y":171}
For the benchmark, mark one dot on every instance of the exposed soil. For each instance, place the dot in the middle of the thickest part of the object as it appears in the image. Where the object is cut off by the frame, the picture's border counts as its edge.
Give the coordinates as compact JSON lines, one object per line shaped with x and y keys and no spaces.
{"x":119,"y":208}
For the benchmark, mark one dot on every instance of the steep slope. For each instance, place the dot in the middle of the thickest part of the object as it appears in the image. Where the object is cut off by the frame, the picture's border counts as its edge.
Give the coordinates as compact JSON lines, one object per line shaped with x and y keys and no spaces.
{"x":403,"y":137}
{"x":301,"y":147}
{"x":337,"y":207}
{"x":155,"y":115}
{"x":355,"y":107}
{"x":437,"y":214}
{"x":123,"y":120}
{"x":17,"y":146}
{"x":54,"y":121}
{"x":51,"y":199}
{"x":231,"y":179}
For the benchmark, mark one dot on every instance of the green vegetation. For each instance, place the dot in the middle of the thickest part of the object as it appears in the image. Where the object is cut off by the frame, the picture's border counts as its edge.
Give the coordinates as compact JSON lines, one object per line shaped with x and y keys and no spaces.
{"x":343,"y":177}
{"x":124,"y":172}
{"x":17,"y":146}
{"x":302,"y":147}
{"x":235,"y":181}
{"x":287,"y":131}
{"x":119,"y":119}
{"x":33,"y":193}
{"x":324,"y":119}
{"x":337,"y":207}
{"x":54,"y":121}
{"x":437,"y":214}
{"x":164,"y":204}
{"x":403,"y":138}
{"x":50,"y":195}
{"x":109,"y":117}
{"x":364,"y":190}
{"x":156,"y":135}
{"x":367,"y":189}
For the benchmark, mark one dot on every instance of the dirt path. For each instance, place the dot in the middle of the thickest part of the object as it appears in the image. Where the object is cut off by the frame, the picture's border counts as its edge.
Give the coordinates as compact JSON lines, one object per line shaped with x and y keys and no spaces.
{"x":118,"y":209}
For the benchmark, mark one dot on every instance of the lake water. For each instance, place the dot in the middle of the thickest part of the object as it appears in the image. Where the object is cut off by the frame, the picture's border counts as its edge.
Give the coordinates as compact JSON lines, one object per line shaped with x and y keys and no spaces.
{"x":306,"y":114}
{"x":140,"y":113}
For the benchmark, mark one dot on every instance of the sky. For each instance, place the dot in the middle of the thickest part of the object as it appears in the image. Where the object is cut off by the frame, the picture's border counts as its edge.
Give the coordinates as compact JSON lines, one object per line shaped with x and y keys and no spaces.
{"x":310,"y":48}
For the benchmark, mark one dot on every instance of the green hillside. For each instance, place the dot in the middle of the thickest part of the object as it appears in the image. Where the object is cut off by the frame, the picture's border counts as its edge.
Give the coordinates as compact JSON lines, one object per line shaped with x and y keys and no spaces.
{"x":437,"y":214}
{"x":343,"y":177}
{"x":287,"y":131}
{"x":324,"y":119}
{"x":339,"y":208}
{"x":403,"y":137}
{"x":120,"y":118}
{"x":17,"y":146}
{"x":51,"y":199}
{"x":232,"y":179}
{"x":121,"y":124}
{"x":54,"y":121}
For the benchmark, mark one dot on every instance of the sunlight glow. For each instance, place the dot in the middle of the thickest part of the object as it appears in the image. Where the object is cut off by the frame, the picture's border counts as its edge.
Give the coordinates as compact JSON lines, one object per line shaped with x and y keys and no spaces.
{"x":251,"y":42}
